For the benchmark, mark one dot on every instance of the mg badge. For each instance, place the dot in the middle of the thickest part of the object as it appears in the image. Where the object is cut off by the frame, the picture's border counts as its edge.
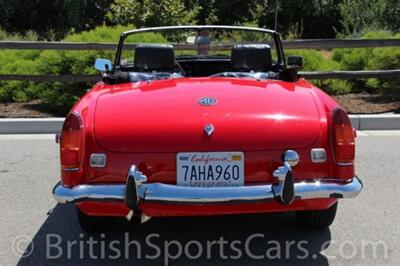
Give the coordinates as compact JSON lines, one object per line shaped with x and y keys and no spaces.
{"x":207,"y":101}
{"x":209,"y":129}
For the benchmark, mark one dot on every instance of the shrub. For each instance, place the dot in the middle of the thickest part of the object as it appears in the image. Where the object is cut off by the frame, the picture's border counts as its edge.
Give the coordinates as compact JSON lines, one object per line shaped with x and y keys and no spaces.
{"x":59,"y":97}
{"x":371,"y":59}
{"x":322,"y":61}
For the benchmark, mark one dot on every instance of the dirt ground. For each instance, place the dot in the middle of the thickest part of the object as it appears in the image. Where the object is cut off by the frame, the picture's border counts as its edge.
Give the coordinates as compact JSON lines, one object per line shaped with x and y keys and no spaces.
{"x":31,"y":109}
{"x":364,"y":103}
{"x":354,"y":103}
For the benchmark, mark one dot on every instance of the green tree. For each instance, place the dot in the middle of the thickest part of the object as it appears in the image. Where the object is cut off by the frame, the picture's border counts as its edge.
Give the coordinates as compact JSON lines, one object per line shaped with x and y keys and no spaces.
{"x":391,"y":14}
{"x":51,"y":19}
{"x":124,"y":12}
{"x":150,"y":13}
{"x":302,"y":18}
{"x":359,"y":16}
{"x":231,"y":12}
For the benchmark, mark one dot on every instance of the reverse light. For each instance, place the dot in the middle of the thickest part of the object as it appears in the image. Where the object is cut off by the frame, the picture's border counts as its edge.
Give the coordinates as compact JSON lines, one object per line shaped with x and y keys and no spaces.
{"x":98,"y":160}
{"x":71,"y":148}
{"x":343,"y":143}
{"x":318,"y":155}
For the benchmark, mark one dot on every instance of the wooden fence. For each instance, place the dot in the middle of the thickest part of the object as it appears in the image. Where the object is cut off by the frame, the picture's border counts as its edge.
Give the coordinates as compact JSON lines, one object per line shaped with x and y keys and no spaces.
{"x":323,"y":44}
{"x":320,"y":44}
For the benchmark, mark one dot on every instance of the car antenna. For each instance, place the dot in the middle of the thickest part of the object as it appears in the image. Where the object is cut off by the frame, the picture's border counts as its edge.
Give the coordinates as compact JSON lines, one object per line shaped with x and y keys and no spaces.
{"x":276,"y":15}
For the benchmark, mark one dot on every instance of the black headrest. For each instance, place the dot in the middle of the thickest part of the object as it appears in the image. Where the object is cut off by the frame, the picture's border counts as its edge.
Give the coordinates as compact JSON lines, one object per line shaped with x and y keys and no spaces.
{"x":154,"y":57}
{"x":251,"y":57}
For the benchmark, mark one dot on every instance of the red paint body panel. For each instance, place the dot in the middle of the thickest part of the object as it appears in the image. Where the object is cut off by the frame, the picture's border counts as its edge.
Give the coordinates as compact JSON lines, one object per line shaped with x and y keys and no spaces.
{"x":147,"y":124}
{"x":161,"y":167}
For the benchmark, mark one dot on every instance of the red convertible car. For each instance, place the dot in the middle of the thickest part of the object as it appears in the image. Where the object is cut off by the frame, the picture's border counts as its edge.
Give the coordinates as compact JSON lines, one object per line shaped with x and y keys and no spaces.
{"x":204,"y":120}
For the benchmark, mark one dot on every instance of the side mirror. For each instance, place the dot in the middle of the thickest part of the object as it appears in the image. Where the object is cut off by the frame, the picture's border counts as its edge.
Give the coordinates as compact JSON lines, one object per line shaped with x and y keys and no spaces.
{"x":295,"y":61}
{"x":289,"y":74}
{"x":103,"y":65}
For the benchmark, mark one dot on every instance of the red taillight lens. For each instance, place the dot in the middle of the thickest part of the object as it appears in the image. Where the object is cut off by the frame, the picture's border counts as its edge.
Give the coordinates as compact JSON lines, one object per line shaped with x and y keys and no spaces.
{"x":71,"y":151}
{"x":343,"y":137}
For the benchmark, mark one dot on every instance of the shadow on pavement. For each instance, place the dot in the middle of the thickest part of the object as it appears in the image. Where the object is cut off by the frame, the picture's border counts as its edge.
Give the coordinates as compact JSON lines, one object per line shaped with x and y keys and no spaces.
{"x":204,"y":240}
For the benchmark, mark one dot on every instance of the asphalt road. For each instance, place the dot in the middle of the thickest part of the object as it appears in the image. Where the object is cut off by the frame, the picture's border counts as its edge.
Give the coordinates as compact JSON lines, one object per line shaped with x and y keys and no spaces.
{"x":34,"y":230}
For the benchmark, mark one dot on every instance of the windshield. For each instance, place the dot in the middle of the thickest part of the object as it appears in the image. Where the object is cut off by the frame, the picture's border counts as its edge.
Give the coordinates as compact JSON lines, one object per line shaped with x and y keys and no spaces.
{"x":197,"y":42}
{"x":197,"y":51}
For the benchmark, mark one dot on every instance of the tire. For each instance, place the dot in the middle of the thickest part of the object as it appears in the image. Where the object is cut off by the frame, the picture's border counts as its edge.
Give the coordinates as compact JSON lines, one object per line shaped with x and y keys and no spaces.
{"x":94,"y":224}
{"x":316,"y":219}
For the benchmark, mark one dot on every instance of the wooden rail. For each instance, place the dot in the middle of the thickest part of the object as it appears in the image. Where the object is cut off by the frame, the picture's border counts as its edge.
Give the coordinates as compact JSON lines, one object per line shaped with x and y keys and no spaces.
{"x":288,"y":44}
{"x":308,"y":75}
{"x":51,"y":78}
{"x":326,"y":44}
{"x":363,"y":74}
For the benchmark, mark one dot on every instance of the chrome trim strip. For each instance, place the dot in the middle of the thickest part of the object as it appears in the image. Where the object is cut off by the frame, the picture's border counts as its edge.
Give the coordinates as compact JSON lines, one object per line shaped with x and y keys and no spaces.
{"x":80,"y":193}
{"x":344,"y":164}
{"x":71,"y":169}
{"x":198,"y":27}
{"x":169,"y":193}
{"x":164,"y":193}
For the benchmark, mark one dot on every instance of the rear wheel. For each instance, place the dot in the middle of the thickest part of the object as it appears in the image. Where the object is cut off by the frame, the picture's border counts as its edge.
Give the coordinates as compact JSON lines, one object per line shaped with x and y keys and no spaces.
{"x":94,"y":224}
{"x":317,"y":219}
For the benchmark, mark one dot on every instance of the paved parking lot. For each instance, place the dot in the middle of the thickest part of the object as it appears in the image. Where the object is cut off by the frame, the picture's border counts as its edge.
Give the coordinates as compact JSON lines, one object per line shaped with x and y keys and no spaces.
{"x":36,"y":231}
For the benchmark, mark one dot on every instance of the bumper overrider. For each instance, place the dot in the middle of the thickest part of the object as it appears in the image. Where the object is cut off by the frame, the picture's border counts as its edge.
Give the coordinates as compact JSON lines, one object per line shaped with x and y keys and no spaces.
{"x":137,"y":190}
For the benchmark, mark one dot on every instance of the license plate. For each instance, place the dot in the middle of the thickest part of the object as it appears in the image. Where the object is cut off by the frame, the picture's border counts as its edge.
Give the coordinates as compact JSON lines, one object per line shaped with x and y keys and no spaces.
{"x":210,"y":169}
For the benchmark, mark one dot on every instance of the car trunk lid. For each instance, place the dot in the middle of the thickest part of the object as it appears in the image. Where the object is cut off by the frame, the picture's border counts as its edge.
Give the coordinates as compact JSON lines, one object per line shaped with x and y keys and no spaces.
{"x":165,"y":116}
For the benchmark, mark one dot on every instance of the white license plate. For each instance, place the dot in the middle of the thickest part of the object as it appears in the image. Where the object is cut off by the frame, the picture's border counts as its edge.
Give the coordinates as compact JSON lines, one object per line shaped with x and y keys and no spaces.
{"x":210,"y":169}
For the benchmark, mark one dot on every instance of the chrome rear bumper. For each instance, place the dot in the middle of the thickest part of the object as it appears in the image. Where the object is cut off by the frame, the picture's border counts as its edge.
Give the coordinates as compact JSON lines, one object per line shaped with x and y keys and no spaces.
{"x":137,"y":190}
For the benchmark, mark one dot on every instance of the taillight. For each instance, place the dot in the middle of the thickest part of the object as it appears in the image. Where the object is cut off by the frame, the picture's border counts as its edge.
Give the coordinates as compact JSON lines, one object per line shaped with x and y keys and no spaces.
{"x":342,"y":137}
{"x":71,"y":149}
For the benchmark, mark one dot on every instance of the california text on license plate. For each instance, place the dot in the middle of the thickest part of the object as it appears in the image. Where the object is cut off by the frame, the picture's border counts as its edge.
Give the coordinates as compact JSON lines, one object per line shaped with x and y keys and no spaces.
{"x":210,"y":169}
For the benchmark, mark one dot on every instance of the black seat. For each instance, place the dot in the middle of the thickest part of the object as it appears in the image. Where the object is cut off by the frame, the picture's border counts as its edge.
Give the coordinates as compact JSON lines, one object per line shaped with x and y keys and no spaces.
{"x":155,"y":57}
{"x":251,"y":57}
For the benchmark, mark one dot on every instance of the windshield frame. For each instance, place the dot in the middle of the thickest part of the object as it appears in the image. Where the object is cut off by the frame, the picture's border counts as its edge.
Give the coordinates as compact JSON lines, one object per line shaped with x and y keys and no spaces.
{"x":275,"y":35}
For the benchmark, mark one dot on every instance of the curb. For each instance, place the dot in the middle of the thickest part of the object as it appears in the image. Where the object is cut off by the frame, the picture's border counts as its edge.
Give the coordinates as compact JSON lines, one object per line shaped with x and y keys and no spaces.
{"x":53,"y":125}
{"x":30,"y":125}
{"x":375,"y":122}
